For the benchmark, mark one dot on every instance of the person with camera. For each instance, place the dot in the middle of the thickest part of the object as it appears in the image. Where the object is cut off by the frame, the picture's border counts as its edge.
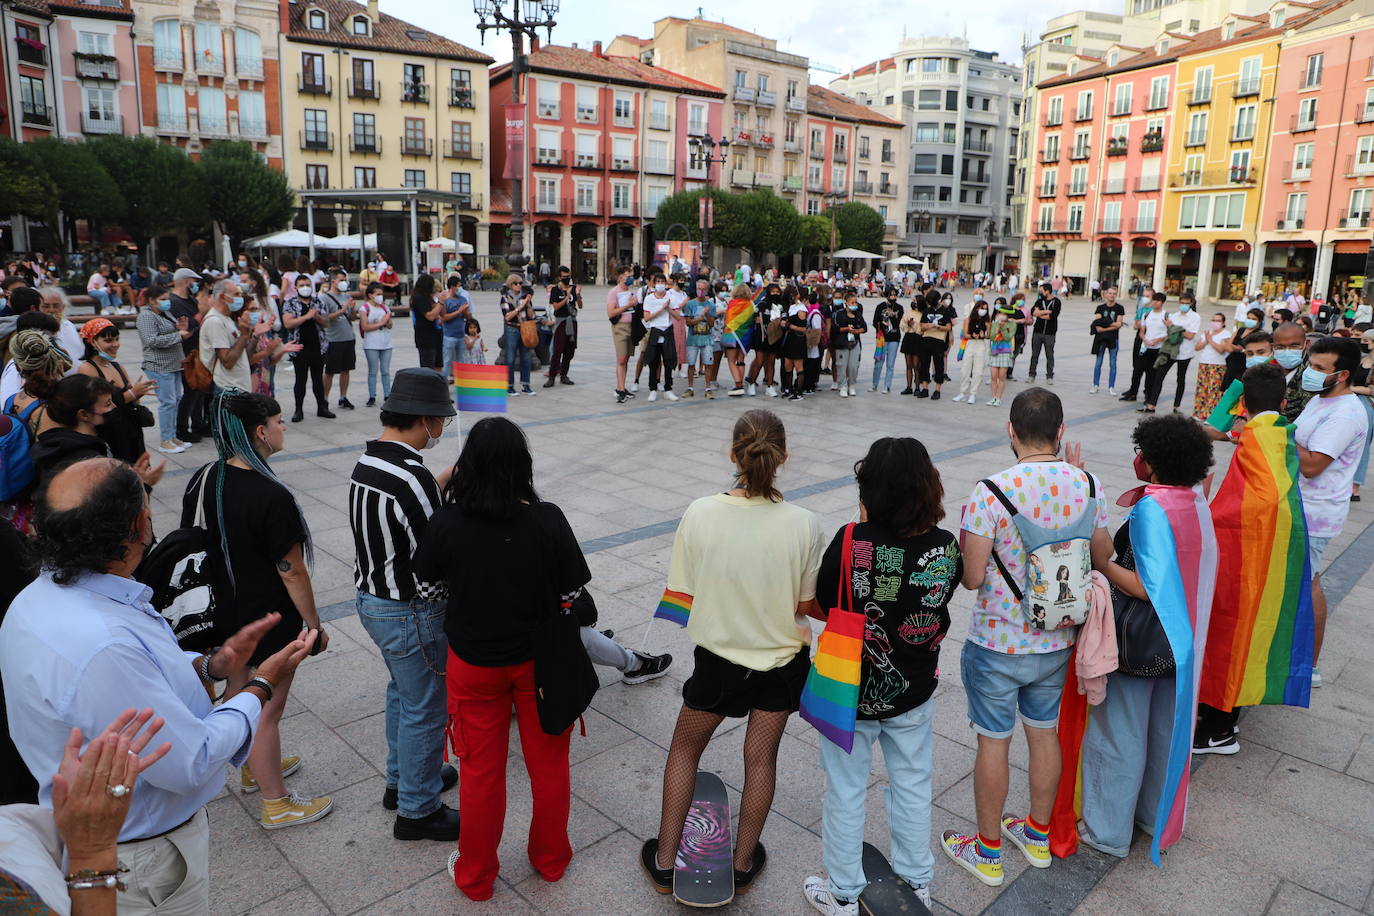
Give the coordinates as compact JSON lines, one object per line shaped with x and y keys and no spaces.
{"x":516,"y":307}
{"x":566,"y":300}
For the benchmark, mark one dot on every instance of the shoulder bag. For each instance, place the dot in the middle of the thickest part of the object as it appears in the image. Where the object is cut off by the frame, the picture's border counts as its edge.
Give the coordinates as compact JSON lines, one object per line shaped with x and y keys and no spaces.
{"x":142,"y":414}
{"x":564,"y":679}
{"x":194,"y":373}
{"x":830,"y":699}
{"x":1142,"y":648}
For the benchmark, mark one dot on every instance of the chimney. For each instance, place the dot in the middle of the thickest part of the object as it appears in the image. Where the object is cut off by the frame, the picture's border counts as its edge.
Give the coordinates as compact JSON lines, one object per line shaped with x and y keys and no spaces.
{"x":574,"y":45}
{"x":534,"y":44}
{"x":596,"y":49}
{"x":373,"y":12}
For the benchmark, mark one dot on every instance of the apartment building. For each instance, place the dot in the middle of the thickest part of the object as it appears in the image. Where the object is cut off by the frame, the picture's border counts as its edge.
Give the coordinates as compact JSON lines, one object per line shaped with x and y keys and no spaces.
{"x":606,"y":142}
{"x":31,"y":61}
{"x":961,"y":108}
{"x":371,"y":101}
{"x":96,"y":86}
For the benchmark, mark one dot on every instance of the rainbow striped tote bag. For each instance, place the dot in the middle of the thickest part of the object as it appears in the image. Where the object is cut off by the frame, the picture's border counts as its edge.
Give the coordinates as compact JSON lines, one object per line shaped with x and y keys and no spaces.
{"x":830,"y":699}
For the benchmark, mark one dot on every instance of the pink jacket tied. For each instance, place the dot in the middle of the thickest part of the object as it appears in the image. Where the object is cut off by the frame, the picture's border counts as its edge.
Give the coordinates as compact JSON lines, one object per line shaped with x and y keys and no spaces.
{"x":1097,"y":643}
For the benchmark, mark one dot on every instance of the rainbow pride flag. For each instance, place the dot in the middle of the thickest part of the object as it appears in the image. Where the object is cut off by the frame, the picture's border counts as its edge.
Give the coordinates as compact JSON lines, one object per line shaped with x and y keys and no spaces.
{"x":830,"y":699}
{"x":479,"y":388}
{"x":1259,"y":648}
{"x":674,"y":606}
{"x":739,"y":321}
{"x":1176,"y":555}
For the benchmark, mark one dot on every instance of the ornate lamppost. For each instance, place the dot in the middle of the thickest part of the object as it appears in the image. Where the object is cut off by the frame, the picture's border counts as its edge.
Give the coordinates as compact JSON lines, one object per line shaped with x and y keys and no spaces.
{"x":703,"y":150}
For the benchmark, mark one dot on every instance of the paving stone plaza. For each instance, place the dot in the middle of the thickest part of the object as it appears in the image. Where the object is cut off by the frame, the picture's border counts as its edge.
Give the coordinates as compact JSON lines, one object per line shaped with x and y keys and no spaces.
{"x":1285,"y":827}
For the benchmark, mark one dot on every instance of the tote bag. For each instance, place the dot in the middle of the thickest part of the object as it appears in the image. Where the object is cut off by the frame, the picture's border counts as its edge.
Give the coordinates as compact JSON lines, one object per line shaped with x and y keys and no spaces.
{"x":830,"y":699}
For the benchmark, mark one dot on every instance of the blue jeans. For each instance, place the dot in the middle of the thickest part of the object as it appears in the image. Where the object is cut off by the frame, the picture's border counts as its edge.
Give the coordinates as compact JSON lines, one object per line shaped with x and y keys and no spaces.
{"x":453,"y":353}
{"x":1362,"y":467}
{"x":514,"y":349}
{"x":104,"y":299}
{"x":1097,"y":367}
{"x":1125,"y":755}
{"x":378,"y":361}
{"x":1001,"y":686}
{"x":168,"y":397}
{"x":907,"y":742}
{"x":410,"y":635}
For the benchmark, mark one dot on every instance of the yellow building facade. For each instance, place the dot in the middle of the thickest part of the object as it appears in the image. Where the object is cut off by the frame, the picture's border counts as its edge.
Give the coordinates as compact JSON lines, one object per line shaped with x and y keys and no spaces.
{"x":370,"y":101}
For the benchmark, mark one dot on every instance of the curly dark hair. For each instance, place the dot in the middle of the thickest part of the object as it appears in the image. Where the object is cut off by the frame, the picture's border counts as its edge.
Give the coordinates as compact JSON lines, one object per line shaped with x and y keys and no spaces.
{"x":1175,"y":448}
{"x":92,"y":535}
{"x":900,"y":486}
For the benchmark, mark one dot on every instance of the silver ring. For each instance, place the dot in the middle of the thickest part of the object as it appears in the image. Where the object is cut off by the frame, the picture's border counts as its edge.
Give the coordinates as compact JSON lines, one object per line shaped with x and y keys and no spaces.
{"x":117,"y":791}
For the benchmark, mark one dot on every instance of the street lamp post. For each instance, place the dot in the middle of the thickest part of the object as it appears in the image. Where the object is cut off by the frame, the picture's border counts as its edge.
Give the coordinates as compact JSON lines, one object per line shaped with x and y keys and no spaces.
{"x":703,"y":150}
{"x":832,"y":198}
{"x":921,"y":217}
{"x":526,"y":18}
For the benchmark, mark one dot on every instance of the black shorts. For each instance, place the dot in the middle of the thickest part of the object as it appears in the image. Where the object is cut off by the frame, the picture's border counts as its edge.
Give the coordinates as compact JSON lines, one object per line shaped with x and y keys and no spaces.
{"x":341,"y":356}
{"x":727,"y":689}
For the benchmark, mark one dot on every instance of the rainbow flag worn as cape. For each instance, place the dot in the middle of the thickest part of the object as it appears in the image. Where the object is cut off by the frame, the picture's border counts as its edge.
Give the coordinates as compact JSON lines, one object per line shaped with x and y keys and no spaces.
{"x":1176,"y":556}
{"x":674,"y":606}
{"x":739,"y":321}
{"x":479,"y":388}
{"x":1259,"y":647}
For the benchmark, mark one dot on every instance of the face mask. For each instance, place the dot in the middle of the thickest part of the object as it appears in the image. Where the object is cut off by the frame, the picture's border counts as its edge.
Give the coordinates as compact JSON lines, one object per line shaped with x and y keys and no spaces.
{"x":195,"y":288}
{"x":1142,"y":470}
{"x":1248,"y":322}
{"x":980,"y":312}
{"x":659,"y":287}
{"x":254,"y":317}
{"x":1253,"y":361}
{"x":978,"y":297}
{"x":1288,"y":359}
{"x":432,"y":441}
{"x":378,"y":298}
{"x":236,"y":304}
{"x":1183,"y":309}
{"x":343,"y":286}
{"x":1218,"y":323}
{"x":1314,"y":381}
{"x":303,"y":292}
{"x":242,"y":262}
{"x":165,"y":304}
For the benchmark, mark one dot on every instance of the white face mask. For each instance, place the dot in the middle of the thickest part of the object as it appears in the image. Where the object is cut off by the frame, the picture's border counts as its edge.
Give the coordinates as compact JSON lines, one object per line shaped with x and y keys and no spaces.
{"x":378,"y":298}
{"x":659,"y":287}
{"x":432,"y":441}
{"x":343,"y":286}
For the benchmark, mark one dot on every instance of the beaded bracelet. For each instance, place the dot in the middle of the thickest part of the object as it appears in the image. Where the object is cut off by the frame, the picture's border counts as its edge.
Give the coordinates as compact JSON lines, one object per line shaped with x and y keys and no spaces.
{"x":90,"y":879}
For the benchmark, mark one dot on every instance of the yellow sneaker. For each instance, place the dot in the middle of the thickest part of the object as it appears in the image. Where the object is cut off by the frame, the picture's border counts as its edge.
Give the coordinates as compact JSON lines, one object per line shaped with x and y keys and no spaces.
{"x":1037,"y":852}
{"x":248,"y":785}
{"x":964,"y":851}
{"x":292,"y":810}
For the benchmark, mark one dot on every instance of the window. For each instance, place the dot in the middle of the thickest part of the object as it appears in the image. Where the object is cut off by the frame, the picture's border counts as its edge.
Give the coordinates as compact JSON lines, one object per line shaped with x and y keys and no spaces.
{"x":212,"y":115}
{"x":927,"y":132}
{"x":1364,"y":154}
{"x":548,"y":99}
{"x":929,"y":99}
{"x":414,"y":178}
{"x":623,"y":109}
{"x":944,"y":193}
{"x":95,"y":43}
{"x":949,"y":134}
{"x":930,"y":65}
{"x":1277,"y":17}
{"x":1211,"y":211}
{"x":1240,"y":166}
{"x":460,"y":183}
{"x":364,"y":78}
{"x":1076,"y":218}
{"x":696,"y":121}
{"x":547,"y":147}
{"x":763,"y":82}
{"x":414,"y":138}
{"x":863,"y":147}
{"x":167,"y":43}
{"x":1049,"y":182}
{"x":1249,"y":81}
{"x":813,"y":206}
{"x":364,"y":131}
{"x":247,"y":53}
{"x":1080,"y":144}
{"x":1121,"y":104}
{"x":460,"y":86}
{"x":1145,"y":216}
{"x":1078,"y":181}
{"x":547,"y":194}
{"x":1295,"y":211}
{"x":966,"y":226}
{"x":586,"y":104}
{"x":653,"y":198}
{"x":837,"y":175}
{"x":1245,"y":122}
{"x":620,"y":197}
{"x":1084,"y":111}
{"x":1056,"y":111}
{"x":741,"y":79}
{"x":656,"y":156}
{"x":316,"y":177}
{"x":1052,"y":147}
{"x":1046,"y":221}
{"x":951,"y":100}
{"x":946,"y":165}
{"x":316,"y":128}
{"x":1159,"y":92}
{"x":1111,"y":217}
{"x":887,"y":151}
{"x":1302,"y":158}
{"x":1192,"y":170}
{"x":316,"y":19}
{"x":1307,"y":113}
{"x":1228,"y":31}
{"x":1312,"y":76}
{"x":252,"y":114}
{"x":209,"y":48}
{"x":1202,"y":84}
{"x":360,"y":27}
{"x":1197,"y":128}
{"x":364,"y":176}
{"x":100,"y":105}
{"x":171,"y":106}
{"x":460,"y":134}
{"x":413,"y":88}
{"x":1121,"y":133}
{"x":312,"y":71}
{"x":1361,"y":201}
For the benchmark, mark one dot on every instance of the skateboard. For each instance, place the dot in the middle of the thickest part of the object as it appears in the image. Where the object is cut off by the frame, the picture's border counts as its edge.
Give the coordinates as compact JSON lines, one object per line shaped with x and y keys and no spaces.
{"x":886,"y":894}
{"x":704,"y":875}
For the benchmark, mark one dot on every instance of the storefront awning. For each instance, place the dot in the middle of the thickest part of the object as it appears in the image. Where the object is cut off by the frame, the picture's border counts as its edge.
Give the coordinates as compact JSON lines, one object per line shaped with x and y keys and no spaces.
{"x":1352,"y":246}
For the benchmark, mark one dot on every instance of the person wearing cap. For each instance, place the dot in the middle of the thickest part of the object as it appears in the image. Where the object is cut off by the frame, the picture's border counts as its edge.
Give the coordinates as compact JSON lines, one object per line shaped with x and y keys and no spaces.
{"x":391,"y":497}
{"x":191,"y":410}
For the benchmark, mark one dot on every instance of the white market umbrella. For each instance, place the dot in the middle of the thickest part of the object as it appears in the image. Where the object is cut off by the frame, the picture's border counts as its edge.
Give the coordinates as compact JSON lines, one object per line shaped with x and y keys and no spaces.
{"x":856,"y":253}
{"x":349,"y":242}
{"x":447,"y":245}
{"x":904,"y":260}
{"x":286,"y":238}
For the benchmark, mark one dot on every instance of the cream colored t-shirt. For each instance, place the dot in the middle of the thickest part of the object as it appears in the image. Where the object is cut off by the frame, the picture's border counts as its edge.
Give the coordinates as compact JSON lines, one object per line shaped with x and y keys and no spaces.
{"x":219,"y":332}
{"x":747,"y":563}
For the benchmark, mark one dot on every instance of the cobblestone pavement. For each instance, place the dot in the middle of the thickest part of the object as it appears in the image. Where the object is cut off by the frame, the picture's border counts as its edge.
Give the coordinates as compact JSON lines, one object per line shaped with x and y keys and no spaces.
{"x":623,"y":474}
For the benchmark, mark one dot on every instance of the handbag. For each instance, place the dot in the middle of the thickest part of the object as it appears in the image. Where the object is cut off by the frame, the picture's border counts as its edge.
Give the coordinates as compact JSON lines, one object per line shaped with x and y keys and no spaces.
{"x":1142,"y":648}
{"x":194,"y":372}
{"x":142,"y":414}
{"x":830,"y":699}
{"x":813,"y":337}
{"x":529,"y":333}
{"x":564,"y":679}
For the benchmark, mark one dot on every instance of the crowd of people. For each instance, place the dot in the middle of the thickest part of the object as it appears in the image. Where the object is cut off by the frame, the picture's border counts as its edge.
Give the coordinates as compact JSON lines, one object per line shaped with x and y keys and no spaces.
{"x":192,"y":637}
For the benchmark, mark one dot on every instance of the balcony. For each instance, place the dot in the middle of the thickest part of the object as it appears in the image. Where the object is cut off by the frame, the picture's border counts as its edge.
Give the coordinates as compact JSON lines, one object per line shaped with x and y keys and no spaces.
{"x":791,"y":184}
{"x":863,"y":154}
{"x":36,"y":114}
{"x":1059,"y":227}
{"x":470,"y":201}
{"x":764,"y":179}
{"x":255,"y":129}
{"x":1355,"y":168}
{"x":365,"y":143}
{"x":1302,"y":125}
{"x":463,"y":149}
{"x":623,"y":164}
{"x":314,"y":84}
{"x":364,"y":90}
{"x":1286,"y":223}
{"x":546,"y":156}
{"x":1118,"y":146}
{"x":622,"y":208}
{"x":31,"y":52}
{"x":1049,"y":155}
{"x":96,"y":66}
{"x":765,"y":99}
{"x":1083,"y":114}
{"x":742,"y":178}
{"x":1121,"y":108}
{"x":583,"y":159}
{"x":1152,"y":143}
{"x":1199,"y":97}
{"x":816,"y":151}
{"x":1246,"y":88}
{"x":1144,"y":224}
{"x":1363,"y":112}
{"x":1301,"y":171}
{"x":1195,"y":140}
{"x":791,"y":146}
{"x":743,"y":137}
{"x":1047,"y":191}
{"x":317,"y":140}
{"x":1054,"y":118}
{"x":415,"y":93}
{"x":795,"y":103}
{"x":586,"y":114}
{"x":1157,"y":102}
{"x":1076,"y":190}
{"x":863,"y":187}
{"x":547,"y":205}
{"x":981,"y":178}
{"x":168,"y":59}
{"x":417,"y":146}
{"x":168,"y":123}
{"x":248,"y":68}
{"x":887,"y":189}
{"x":815,"y":185}
{"x":744,"y":94}
{"x":1354,"y":219}
{"x":460,"y":95}
{"x":1243,"y":133}
{"x":583,"y":207}
{"x":658,"y":165}
{"x":1146,"y":184}
{"x":1109,"y":226}
{"x":209,"y":63}
{"x":764,"y":141}
{"x":101,"y":125}
{"x":548,"y":110}
{"x":888,"y":158}
{"x":840,"y":155}
{"x":979,"y":147}
{"x":1081,"y":152}
{"x":658,"y":120}
{"x":1114,"y":186}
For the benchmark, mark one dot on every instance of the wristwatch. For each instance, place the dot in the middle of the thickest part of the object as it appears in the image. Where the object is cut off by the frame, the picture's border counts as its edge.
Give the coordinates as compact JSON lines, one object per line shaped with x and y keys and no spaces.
{"x":214,"y":685}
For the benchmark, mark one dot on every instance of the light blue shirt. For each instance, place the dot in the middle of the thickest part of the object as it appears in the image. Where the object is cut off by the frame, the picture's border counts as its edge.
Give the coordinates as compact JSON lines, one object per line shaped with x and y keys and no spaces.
{"x":78,"y":655}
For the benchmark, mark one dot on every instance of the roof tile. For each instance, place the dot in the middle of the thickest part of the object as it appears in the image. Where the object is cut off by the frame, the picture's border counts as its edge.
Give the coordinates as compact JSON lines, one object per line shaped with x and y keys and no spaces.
{"x":389,"y":34}
{"x":830,"y":104}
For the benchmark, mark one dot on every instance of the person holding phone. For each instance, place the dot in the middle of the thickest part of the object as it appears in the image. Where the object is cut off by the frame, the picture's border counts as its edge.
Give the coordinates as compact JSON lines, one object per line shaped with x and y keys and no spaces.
{"x":566,"y":300}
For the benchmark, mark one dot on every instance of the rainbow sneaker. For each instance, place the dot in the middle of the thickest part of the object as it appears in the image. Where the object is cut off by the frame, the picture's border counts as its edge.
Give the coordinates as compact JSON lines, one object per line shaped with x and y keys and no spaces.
{"x":964,"y":851}
{"x":1037,"y":852}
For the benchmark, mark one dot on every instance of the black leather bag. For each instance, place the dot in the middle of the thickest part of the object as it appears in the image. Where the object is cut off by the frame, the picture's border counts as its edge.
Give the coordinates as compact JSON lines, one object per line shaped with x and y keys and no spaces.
{"x":1142,"y":647}
{"x":564,"y":679}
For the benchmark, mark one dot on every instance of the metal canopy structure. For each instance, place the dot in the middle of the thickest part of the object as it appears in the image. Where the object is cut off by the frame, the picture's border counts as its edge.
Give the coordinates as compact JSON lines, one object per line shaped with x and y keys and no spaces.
{"x":409,"y":198}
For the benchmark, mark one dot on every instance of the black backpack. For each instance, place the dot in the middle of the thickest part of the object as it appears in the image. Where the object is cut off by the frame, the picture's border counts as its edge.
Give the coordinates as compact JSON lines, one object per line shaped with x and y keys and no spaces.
{"x":182,"y":571}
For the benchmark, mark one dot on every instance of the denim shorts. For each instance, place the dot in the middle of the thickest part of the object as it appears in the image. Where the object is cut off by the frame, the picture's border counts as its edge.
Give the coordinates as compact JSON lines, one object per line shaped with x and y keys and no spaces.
{"x":999,"y":686}
{"x":1316,"y":547}
{"x":704,"y":353}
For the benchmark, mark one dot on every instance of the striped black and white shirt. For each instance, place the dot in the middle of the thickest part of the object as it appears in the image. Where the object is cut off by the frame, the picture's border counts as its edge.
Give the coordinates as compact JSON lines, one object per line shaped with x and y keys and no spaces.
{"x":391,"y":496}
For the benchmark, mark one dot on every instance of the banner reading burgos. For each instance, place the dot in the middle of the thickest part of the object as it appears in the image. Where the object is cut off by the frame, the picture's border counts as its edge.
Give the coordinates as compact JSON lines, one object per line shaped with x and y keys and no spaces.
{"x":515,"y":141}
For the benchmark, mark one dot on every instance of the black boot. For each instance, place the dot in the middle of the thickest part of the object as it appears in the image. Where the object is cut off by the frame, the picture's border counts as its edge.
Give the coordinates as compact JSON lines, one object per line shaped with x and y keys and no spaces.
{"x":442,"y":824}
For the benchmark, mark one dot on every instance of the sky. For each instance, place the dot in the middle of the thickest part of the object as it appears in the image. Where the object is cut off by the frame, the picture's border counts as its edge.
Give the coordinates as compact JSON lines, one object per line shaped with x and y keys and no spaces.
{"x":841,"y":35}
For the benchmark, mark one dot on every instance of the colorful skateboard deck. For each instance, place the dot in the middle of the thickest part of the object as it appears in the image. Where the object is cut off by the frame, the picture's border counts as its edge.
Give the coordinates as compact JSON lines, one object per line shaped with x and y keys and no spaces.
{"x":704,"y":875}
{"x":886,"y":894}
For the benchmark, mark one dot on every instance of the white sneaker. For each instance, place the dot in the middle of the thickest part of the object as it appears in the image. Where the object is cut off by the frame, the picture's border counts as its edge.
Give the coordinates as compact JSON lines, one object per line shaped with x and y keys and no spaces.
{"x":670,"y":396}
{"x":452,"y":865}
{"x":653,"y":396}
{"x":1092,"y":390}
{"x":772,"y":391}
{"x":972,"y":399}
{"x":752,"y":390}
{"x":958,"y":399}
{"x":1112,"y":392}
{"x":634,"y":387}
{"x":1316,"y":676}
{"x":852,"y":392}
{"x":817,"y":890}
{"x":834,"y":386}
{"x":844,"y":393}
{"x":922,"y":893}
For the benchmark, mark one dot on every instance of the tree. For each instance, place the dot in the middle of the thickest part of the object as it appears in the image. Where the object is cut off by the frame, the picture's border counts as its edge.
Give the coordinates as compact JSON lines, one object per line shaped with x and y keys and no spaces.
{"x":679,"y":208}
{"x":775,"y":224}
{"x":734,"y":225}
{"x":243,"y":194}
{"x":858,"y":226}
{"x":814,"y":232}
{"x":84,"y":189}
{"x":25,"y":187}
{"x":161,"y":186}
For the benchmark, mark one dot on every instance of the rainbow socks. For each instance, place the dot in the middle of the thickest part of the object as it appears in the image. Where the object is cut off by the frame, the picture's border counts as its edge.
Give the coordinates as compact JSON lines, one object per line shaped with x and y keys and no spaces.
{"x":1037,"y":833}
{"x":989,"y":849}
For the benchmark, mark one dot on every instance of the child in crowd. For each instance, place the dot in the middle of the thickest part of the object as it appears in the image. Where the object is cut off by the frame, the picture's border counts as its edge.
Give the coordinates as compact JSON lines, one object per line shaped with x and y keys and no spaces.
{"x":474,"y":350}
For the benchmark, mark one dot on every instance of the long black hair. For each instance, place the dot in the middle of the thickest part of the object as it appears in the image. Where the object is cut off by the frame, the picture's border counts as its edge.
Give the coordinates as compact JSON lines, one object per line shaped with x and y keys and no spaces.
{"x":494,"y":475}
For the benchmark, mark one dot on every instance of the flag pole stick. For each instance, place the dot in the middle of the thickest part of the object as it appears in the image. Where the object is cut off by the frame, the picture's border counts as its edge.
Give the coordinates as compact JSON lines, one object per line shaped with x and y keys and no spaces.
{"x":644,"y":643}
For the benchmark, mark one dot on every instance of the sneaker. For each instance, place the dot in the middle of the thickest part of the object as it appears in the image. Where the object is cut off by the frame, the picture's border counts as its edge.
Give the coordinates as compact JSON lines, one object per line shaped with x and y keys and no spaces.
{"x":564,"y":380}
{"x":817,"y":890}
{"x":744,"y":878}
{"x":649,"y":667}
{"x":691,"y":392}
{"x":1111,"y":391}
{"x":1316,"y":676}
{"x":834,"y":386}
{"x":634,"y":387}
{"x":510,"y":391}
{"x":752,"y":390}
{"x":958,"y":399}
{"x":844,"y":392}
{"x":1128,"y":397}
{"x":1093,"y":390}
{"x":248,"y":785}
{"x":620,"y":396}
{"x":922,"y":392}
{"x":935,"y":395}
{"x":297,"y":417}
{"x":852,"y":392}
{"x":736,"y":392}
{"x":184,"y":443}
{"x":527,"y":391}
{"x":710,"y":394}
{"x":453,"y":866}
{"x":653,"y":396}
{"x":442,"y":824}
{"x":906,"y":391}
{"x":371,"y":402}
{"x":670,"y":396}
{"x":922,"y":893}
{"x":796,"y":396}
{"x":167,"y":447}
{"x":771,"y":391}
{"x":1030,"y":379}
{"x":1049,"y":380}
{"x":345,"y":403}
{"x":662,"y":878}
{"x":964,"y":851}
{"x":608,"y":633}
{"x":972,"y":399}
{"x":1210,"y":744}
{"x":292,"y":810}
{"x":1037,"y":852}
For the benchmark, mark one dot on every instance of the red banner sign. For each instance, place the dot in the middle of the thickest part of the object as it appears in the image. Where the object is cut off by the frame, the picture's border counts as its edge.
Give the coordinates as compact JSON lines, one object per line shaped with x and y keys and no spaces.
{"x":515,"y":141}
{"x":706,"y":212}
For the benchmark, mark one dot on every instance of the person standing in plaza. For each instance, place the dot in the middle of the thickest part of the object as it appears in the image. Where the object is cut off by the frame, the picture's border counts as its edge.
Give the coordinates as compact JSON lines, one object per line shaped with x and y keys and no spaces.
{"x":335,"y":303}
{"x":937,"y":325}
{"x":1187,"y":320}
{"x":120,"y":429}
{"x":191,"y":413}
{"x":622,"y":304}
{"x":1014,"y":660}
{"x":160,"y":336}
{"x":424,"y":312}
{"x":1154,"y":331}
{"x":374,"y":321}
{"x":1044,"y":327}
{"x":1140,"y":360}
{"x":700,"y":313}
{"x":565,"y":298}
{"x":660,"y":311}
{"x":301,"y":318}
{"x":1111,"y":315}
{"x":453,"y":318}
{"x":224,"y":336}
{"x":1214,"y":346}
{"x":975,"y":347}
{"x":391,"y":497}
{"x":887,"y":318}
{"x":847,"y":333}
{"x":516,"y":306}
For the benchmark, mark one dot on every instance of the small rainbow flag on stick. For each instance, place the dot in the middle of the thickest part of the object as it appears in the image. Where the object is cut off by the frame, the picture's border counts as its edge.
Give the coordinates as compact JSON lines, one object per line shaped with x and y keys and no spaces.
{"x":479,"y":388}
{"x":674,"y":606}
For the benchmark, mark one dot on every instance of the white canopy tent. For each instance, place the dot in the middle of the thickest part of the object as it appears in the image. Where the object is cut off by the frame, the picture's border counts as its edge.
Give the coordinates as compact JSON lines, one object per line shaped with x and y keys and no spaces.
{"x":905,"y":260}
{"x":349,"y":242}
{"x":286,"y":238}
{"x":856,"y":254}
{"x":447,"y":245}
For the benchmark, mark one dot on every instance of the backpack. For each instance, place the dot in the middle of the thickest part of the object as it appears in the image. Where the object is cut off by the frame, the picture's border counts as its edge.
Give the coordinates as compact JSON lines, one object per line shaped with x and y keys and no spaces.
{"x":181,"y":571}
{"x":1057,"y":591}
{"x":16,"y":465}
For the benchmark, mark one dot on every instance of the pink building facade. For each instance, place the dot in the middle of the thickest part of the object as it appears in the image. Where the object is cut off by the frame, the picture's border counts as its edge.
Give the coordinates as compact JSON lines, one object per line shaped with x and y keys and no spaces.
{"x":96,"y":73}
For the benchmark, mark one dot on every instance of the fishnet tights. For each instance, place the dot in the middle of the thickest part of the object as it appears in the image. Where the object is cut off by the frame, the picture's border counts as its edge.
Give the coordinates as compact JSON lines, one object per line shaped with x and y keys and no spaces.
{"x":690,"y":737}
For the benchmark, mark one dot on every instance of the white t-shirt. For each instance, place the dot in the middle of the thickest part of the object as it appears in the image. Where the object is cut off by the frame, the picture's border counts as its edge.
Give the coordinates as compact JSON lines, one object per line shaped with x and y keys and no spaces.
{"x":1206,"y":356}
{"x":1156,"y":329}
{"x":1336,"y":427}
{"x":1242,"y":309}
{"x":219,"y":332}
{"x":1190,"y":322}
{"x":652,"y":303}
{"x":379,"y":339}
{"x":69,"y":339}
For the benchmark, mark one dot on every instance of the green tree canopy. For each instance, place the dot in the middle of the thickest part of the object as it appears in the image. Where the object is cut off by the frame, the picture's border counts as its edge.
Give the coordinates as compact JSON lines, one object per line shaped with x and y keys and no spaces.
{"x":161,"y":185}
{"x":84,"y":189}
{"x":24,"y":186}
{"x":776,"y":225}
{"x":243,"y":194}
{"x":814,"y":232}
{"x":859,"y":226}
